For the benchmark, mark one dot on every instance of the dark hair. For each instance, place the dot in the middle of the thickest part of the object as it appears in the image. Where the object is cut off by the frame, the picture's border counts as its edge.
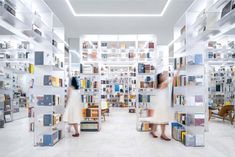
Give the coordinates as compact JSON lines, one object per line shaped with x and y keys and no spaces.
{"x":121,"y":90}
{"x":159,"y":81}
{"x":74,"y":83}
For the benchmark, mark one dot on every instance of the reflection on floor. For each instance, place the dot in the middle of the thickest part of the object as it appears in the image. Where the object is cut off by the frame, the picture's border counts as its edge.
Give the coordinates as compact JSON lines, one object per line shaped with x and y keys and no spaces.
{"x":118,"y":138}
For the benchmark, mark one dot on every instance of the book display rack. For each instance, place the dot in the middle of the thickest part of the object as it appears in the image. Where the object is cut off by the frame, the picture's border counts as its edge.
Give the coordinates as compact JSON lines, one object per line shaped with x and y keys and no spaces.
{"x":34,"y":50}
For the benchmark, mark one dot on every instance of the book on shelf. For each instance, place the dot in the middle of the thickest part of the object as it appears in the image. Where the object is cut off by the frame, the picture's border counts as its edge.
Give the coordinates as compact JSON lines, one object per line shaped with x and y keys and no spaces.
{"x":196,"y":80}
{"x":179,"y":99}
{"x":49,"y":80}
{"x":51,"y":119}
{"x":195,"y":59}
{"x":151,"y":45}
{"x":180,"y":81}
{"x":144,"y":98}
{"x":196,"y":119}
{"x":39,"y":58}
{"x":49,"y":139}
{"x":179,"y":62}
{"x":48,"y":100}
{"x":104,"y":44}
{"x":197,"y":100}
{"x":89,"y":126}
{"x":145,"y":68}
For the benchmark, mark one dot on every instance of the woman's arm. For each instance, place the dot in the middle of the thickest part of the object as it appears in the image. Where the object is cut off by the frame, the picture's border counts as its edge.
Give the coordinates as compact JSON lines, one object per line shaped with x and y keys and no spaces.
{"x":168,"y":81}
{"x":68,"y":95}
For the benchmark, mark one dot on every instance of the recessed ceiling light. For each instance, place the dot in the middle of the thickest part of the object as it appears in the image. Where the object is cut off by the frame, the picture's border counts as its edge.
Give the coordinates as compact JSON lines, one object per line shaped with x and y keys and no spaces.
{"x":117,"y":15}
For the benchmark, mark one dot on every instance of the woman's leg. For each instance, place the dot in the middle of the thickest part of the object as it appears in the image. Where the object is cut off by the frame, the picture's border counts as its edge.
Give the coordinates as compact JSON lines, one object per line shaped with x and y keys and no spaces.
{"x":153,"y":130}
{"x":163,"y":134}
{"x":76,"y":130}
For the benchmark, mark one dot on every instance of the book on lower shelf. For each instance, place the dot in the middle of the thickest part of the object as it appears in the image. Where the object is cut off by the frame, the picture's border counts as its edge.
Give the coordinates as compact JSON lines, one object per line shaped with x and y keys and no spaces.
{"x":48,"y":100}
{"x":90,"y":126}
{"x":49,"y":139}
{"x":197,"y":80}
{"x":179,"y":133}
{"x":190,"y":119}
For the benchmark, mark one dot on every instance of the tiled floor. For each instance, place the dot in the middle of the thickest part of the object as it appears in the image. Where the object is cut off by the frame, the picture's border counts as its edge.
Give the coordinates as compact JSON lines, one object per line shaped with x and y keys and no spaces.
{"x":118,"y":138}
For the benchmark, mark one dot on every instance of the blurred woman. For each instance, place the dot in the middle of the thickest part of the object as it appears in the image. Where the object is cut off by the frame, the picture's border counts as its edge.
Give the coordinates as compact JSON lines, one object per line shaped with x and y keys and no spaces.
{"x":73,"y":111}
{"x":161,"y":102}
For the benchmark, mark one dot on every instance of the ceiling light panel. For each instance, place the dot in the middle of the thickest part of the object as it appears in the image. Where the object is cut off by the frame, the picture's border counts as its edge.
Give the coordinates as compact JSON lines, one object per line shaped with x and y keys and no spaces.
{"x":118,"y":8}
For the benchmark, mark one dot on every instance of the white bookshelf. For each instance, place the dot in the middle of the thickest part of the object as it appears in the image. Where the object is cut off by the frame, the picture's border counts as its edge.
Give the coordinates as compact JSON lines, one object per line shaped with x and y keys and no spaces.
{"x":32,"y":21}
{"x":203,"y":23}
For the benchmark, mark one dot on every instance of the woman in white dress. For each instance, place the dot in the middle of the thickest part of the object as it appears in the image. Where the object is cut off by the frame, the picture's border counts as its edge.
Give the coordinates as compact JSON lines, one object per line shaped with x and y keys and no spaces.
{"x":121,"y":98}
{"x":161,"y":102}
{"x":73,"y":111}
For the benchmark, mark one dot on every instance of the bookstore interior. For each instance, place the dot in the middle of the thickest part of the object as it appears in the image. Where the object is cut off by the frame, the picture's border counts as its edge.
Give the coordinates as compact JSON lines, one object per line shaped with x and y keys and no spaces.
{"x":118,"y":74}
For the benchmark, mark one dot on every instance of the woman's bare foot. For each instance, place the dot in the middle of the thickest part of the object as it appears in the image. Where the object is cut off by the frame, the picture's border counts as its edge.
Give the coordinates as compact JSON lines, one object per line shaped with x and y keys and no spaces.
{"x":164,"y":137}
{"x":153,"y":134}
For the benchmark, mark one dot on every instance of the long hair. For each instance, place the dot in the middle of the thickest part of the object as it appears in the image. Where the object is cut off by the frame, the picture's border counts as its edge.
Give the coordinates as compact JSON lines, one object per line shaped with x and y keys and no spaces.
{"x":159,"y":80}
{"x":74,"y":83}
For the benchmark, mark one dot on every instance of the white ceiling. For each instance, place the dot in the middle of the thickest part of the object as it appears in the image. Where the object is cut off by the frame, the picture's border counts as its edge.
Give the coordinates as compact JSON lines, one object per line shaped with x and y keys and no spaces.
{"x":161,"y":26}
{"x":118,"y":6}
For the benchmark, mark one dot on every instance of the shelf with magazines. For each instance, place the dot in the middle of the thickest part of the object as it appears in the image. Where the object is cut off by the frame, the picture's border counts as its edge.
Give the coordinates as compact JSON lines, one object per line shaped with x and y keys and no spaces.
{"x":189,"y":101}
{"x":145,"y":79}
{"x":90,"y":85}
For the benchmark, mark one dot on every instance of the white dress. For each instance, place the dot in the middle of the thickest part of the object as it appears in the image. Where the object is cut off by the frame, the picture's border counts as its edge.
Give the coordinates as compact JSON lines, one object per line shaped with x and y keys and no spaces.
{"x":161,"y":106}
{"x":73,"y":111}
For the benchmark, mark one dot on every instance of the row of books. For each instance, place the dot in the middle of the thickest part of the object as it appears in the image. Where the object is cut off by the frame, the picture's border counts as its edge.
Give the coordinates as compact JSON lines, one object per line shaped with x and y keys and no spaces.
{"x":87,"y":98}
{"x":51,"y":119}
{"x":179,"y":99}
{"x":196,"y":59}
{"x":90,"y":113}
{"x":115,"y":45}
{"x":49,"y":80}
{"x":180,"y":134}
{"x":197,"y":80}
{"x":181,"y":80}
{"x":145,"y":68}
{"x":144,"y":98}
{"x":197,"y":100}
{"x":88,"y":83}
{"x":20,"y":66}
{"x":86,"y":55}
{"x":49,"y":139}
{"x":48,"y":100}
{"x":197,"y":119}
{"x":89,"y":69}
{"x":90,"y":126}
{"x":179,"y":62}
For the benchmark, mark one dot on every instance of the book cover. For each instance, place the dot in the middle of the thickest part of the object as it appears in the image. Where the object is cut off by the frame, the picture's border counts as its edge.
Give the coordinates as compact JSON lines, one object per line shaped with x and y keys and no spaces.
{"x":198,"y":59}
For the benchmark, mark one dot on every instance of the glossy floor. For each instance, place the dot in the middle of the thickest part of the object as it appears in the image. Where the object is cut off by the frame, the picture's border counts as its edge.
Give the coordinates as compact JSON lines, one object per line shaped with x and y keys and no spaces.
{"x":118,"y":138}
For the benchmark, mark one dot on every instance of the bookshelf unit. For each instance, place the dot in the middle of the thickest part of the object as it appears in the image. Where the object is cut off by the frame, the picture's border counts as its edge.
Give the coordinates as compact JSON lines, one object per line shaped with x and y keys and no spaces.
{"x":189,"y":101}
{"x":197,"y":48}
{"x":35,"y":48}
{"x":118,"y":57}
{"x":50,"y":78}
{"x":146,"y":78}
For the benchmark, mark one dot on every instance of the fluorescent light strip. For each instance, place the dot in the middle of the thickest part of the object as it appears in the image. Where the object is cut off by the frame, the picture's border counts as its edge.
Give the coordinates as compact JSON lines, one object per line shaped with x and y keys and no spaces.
{"x":117,"y":15}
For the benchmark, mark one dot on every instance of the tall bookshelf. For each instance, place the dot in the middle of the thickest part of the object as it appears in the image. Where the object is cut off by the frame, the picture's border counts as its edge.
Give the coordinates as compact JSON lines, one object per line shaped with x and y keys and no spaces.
{"x":197,"y":48}
{"x":118,"y":57}
{"x":146,"y":78}
{"x":90,"y":83}
{"x":189,"y":101}
{"x":49,"y":85}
